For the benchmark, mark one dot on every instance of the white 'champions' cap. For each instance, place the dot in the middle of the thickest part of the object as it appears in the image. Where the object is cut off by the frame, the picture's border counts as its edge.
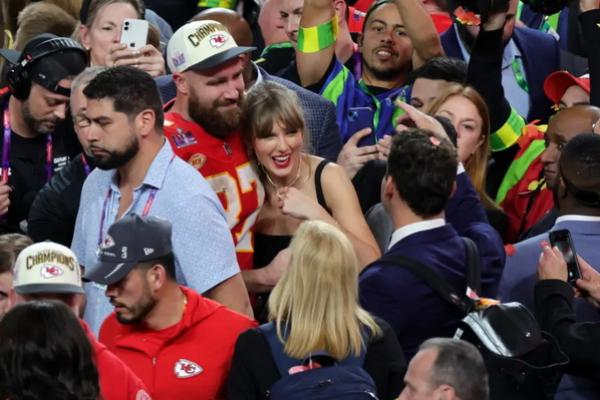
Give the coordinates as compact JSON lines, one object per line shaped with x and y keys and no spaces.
{"x":47,"y":267}
{"x":201,"y":45}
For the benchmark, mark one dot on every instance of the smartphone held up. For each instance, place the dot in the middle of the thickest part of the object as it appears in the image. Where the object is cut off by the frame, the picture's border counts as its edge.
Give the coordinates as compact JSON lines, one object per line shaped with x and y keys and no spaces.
{"x":562,"y":240}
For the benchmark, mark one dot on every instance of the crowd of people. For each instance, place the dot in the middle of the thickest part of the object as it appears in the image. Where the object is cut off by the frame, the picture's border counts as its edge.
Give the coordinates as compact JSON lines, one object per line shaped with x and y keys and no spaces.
{"x":235,"y":207}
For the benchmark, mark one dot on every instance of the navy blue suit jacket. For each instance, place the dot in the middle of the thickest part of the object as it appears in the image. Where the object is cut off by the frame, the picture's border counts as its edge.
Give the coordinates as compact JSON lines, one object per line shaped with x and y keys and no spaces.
{"x":319,"y":114}
{"x":519,"y":277}
{"x":541,"y":57}
{"x":408,"y":304}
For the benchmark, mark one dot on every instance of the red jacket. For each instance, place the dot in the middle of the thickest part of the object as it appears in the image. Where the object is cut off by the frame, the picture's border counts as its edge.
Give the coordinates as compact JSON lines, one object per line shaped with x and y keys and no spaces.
{"x":117,"y":381}
{"x":189,"y":360}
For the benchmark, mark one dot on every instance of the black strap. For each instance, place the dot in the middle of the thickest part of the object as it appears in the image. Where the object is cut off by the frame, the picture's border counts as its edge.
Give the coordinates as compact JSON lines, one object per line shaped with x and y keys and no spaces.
{"x":319,"y":187}
{"x":473,"y":265}
{"x":439,"y":284}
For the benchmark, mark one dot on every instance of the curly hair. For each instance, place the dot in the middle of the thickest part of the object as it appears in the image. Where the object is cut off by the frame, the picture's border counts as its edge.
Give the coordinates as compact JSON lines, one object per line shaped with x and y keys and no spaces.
{"x":45,"y":354}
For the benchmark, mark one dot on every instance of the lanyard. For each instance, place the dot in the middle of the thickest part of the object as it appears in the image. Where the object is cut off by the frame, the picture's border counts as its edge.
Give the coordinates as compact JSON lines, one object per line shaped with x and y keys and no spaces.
{"x":86,"y":165}
{"x":6,"y":150}
{"x":519,"y":75}
{"x":145,"y":212}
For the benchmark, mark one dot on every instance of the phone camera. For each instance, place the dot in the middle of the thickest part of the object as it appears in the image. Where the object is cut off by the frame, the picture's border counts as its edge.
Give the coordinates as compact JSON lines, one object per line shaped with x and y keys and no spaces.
{"x":131,"y":44}
{"x":126,"y":28}
{"x":352,"y":116}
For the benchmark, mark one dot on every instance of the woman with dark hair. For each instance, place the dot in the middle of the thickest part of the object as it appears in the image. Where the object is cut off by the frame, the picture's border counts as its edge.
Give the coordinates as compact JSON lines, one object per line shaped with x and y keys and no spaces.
{"x":45,"y":354}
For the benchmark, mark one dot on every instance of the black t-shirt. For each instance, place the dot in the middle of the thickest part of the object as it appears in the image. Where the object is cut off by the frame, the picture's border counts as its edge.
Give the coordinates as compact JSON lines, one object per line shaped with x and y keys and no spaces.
{"x":27,"y":173}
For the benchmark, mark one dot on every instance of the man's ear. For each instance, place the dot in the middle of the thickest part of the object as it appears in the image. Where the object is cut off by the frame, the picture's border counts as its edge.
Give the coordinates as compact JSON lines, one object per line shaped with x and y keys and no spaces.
{"x":181,"y":83}
{"x":145,"y":121}
{"x":388,"y":187}
{"x":157,"y":277}
{"x":445,"y":392}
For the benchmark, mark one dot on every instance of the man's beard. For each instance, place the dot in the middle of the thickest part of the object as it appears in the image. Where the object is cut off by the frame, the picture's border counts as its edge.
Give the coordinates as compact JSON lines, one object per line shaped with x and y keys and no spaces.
{"x":38,"y":125}
{"x":116,"y":159}
{"x":219,"y":123}
{"x":137,"y":311}
{"x":381,"y":74}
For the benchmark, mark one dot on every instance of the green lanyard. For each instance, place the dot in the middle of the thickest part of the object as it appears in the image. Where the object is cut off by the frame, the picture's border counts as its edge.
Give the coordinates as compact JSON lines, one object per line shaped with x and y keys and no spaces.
{"x":517,"y":69}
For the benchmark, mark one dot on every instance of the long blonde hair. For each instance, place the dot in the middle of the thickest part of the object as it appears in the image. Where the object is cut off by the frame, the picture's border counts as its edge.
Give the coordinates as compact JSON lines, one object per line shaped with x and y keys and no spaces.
{"x":315,"y":304}
{"x":476,"y":165}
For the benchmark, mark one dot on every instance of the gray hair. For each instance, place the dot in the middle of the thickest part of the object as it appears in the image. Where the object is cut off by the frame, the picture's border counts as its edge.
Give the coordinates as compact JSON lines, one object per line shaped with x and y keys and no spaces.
{"x":460,"y":365}
{"x":86,"y":77}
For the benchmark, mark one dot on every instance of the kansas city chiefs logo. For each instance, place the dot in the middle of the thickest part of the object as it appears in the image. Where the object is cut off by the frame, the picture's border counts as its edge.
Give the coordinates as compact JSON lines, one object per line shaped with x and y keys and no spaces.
{"x":217,"y":40}
{"x":186,"y":368}
{"x":51,"y":271}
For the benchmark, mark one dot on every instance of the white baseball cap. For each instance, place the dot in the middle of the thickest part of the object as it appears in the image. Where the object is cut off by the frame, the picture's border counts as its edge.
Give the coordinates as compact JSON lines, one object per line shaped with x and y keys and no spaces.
{"x":201,"y":45}
{"x":47,"y":267}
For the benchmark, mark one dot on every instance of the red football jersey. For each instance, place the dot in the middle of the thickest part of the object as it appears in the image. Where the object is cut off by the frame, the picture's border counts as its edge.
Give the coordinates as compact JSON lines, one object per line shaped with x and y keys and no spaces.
{"x":225,"y":165}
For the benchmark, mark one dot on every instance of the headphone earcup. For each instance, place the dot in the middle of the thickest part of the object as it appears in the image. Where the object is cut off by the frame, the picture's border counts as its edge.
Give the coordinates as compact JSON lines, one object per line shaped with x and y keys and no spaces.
{"x":18,"y":82}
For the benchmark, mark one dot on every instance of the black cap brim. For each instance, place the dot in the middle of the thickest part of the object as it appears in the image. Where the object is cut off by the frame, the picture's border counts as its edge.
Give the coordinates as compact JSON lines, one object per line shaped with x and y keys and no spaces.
{"x":35,"y":288}
{"x":221,"y":58}
{"x":11,"y":55}
{"x":108,"y":273}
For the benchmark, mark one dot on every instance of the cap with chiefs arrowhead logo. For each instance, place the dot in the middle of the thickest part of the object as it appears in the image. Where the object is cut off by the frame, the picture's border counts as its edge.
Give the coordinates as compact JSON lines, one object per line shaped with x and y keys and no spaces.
{"x":131,"y":240}
{"x":201,"y":45}
{"x":47,"y":267}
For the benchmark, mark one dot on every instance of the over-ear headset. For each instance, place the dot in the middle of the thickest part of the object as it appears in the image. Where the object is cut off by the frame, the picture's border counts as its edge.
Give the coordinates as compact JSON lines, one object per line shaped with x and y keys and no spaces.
{"x":17,"y":75}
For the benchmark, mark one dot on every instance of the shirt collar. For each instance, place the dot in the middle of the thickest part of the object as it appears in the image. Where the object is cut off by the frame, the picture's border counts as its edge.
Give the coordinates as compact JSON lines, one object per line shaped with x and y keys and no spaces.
{"x":157,"y":171}
{"x":575,"y":217}
{"x":259,"y":75}
{"x":415,"y":227}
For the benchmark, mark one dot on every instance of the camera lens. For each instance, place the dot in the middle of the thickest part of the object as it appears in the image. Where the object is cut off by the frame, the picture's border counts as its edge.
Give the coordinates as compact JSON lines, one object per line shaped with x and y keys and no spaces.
{"x":132,"y":44}
{"x":126,"y":28}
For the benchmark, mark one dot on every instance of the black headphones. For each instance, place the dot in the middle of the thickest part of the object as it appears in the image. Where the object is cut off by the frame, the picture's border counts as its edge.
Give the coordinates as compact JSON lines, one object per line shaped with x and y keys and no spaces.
{"x":17,"y":75}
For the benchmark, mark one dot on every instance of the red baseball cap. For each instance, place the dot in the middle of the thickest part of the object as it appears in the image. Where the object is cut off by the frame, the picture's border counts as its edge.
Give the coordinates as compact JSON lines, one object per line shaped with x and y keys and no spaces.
{"x":557,"y":83}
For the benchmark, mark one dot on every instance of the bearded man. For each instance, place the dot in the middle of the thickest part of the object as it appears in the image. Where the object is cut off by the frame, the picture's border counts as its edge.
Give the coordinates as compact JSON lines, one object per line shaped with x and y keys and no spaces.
{"x":36,"y":141}
{"x":137,"y":173}
{"x":203,"y":122}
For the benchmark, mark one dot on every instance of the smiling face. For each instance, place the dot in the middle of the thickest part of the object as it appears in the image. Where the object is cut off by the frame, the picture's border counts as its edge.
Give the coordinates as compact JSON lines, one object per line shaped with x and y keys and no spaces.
{"x":385,"y":46}
{"x":215,"y":97}
{"x":105,"y":30}
{"x":468,"y":124}
{"x":279,"y":152}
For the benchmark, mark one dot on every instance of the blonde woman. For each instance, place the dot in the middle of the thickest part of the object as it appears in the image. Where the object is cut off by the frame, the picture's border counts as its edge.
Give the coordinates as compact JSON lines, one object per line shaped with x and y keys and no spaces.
{"x":314,"y":308}
{"x":100,"y":33}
